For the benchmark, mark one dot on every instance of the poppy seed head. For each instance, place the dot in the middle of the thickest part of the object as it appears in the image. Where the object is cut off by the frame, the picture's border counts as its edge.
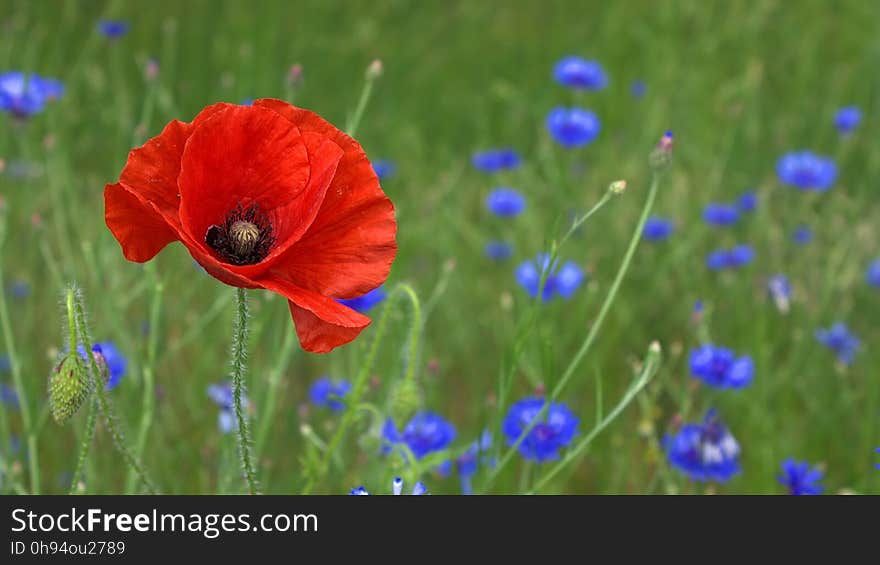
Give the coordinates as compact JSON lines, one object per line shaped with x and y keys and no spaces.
{"x":245,"y":238}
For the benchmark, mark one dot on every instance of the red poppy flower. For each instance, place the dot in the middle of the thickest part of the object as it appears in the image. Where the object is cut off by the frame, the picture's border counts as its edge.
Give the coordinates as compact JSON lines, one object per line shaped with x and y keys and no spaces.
{"x":265,"y":196}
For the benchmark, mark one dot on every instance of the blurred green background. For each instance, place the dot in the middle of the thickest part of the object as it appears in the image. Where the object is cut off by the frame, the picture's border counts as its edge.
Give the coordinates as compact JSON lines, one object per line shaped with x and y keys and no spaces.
{"x":739,"y":83}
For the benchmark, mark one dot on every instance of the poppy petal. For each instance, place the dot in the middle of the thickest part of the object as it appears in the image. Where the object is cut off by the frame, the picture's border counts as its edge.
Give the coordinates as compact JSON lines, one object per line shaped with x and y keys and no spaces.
{"x":238,"y":156}
{"x":152,"y":169}
{"x":292,"y":220}
{"x":138,"y":227}
{"x":349,"y":247}
{"x":322,"y":324}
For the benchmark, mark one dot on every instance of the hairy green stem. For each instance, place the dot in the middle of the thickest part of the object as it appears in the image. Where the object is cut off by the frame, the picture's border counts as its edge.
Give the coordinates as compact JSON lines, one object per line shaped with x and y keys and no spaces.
{"x":85,"y":445}
{"x":239,"y":357}
{"x":98,"y":386}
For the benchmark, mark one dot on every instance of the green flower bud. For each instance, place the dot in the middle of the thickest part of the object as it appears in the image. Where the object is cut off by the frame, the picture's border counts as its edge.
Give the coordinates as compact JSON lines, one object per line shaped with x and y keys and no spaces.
{"x":405,"y":400}
{"x":69,"y":387}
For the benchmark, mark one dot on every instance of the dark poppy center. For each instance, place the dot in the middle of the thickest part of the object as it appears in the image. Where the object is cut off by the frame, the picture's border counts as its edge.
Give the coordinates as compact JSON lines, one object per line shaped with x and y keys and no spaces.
{"x":244,"y":238}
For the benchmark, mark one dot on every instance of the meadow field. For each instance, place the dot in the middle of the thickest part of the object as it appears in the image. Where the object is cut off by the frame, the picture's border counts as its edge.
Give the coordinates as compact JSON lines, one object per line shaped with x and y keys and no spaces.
{"x":707,"y":326}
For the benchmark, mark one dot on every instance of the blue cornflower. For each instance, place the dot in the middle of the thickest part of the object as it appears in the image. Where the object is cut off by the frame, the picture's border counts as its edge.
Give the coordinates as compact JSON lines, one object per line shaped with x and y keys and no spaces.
{"x":396,"y":488}
{"x":747,"y":201}
{"x":494,"y":160}
{"x":329,"y":393}
{"x":572,"y":127}
{"x":839,"y":339}
{"x":872,"y":275}
{"x":223,"y":397}
{"x":384,"y":168}
{"x":878,"y":464}
{"x":779,"y":289}
{"x":799,"y":478}
{"x":8,"y":396}
{"x":247,"y":102}
{"x":705,"y":451}
{"x":733,"y":258}
{"x":543,"y":442}
{"x":505,"y":202}
{"x":498,"y":250}
{"x":657,"y":229}
{"x":847,"y":119}
{"x":719,"y":214}
{"x":638,"y":88}
{"x":425,"y":433}
{"x":365,"y":302}
{"x":580,"y":74}
{"x":806,"y":170}
{"x":24,"y":95}
{"x":563,"y":282}
{"x":719,"y":367}
{"x":113,"y":358}
{"x":802,"y":235}
{"x":113,"y":29}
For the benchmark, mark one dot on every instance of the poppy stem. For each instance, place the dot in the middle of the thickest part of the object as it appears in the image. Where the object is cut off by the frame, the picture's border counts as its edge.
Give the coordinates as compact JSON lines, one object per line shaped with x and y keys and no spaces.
{"x":98,"y":385}
{"x":239,"y":356}
{"x":355,"y":120}
{"x":86,"y":443}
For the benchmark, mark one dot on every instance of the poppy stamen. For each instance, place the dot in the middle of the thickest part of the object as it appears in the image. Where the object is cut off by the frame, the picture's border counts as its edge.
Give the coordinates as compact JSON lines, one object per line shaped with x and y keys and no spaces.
{"x":244,"y":238}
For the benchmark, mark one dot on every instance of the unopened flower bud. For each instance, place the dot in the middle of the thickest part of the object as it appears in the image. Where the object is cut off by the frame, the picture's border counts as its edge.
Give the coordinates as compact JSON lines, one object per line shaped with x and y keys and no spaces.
{"x":661,"y":156}
{"x":375,"y":69}
{"x":617,"y":187}
{"x":69,"y":387}
{"x":404,"y":400}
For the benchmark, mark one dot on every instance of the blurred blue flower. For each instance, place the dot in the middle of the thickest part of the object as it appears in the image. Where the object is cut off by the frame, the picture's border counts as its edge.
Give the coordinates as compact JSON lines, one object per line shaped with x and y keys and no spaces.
{"x":494,"y":160}
{"x":878,"y":464}
{"x":704,"y":451}
{"x":847,"y":119}
{"x":657,"y":229}
{"x":247,"y":102}
{"x":498,"y":250}
{"x":113,"y":28}
{"x":718,"y":367}
{"x":505,"y":202}
{"x":839,"y":339}
{"x":555,"y":431}
{"x":8,"y":395}
{"x":328,"y":393}
{"x":19,"y":289}
{"x":733,"y":258}
{"x":224,"y":398}
{"x":24,"y":95}
{"x":779,"y":289}
{"x":425,"y":433}
{"x":719,"y":214}
{"x":872,"y":275}
{"x":366,"y":302}
{"x":798,"y":478}
{"x":802,"y":235}
{"x":747,"y":201}
{"x":572,"y":127}
{"x":113,"y":358}
{"x":469,"y":462}
{"x":580,"y":74}
{"x":396,"y":488}
{"x":384,"y":168}
{"x":806,"y":170}
{"x":638,"y":88}
{"x":563,"y":282}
